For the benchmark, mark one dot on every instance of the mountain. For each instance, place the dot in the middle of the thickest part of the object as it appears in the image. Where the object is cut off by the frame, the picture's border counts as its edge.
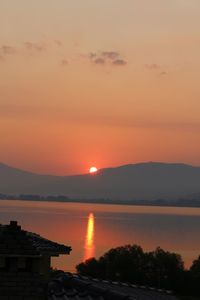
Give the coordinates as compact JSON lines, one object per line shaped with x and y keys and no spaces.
{"x":145,"y":181}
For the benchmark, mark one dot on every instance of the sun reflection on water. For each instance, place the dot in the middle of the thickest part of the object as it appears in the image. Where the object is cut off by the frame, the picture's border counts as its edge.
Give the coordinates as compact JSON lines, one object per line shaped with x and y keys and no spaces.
{"x":89,"y":239}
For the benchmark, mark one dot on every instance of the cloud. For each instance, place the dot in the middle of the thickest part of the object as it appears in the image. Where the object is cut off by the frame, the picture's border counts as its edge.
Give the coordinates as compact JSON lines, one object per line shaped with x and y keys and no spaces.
{"x":153,"y":66}
{"x":119,"y":62}
{"x":58,"y":43}
{"x":34,"y":112}
{"x":136,"y":122}
{"x":157,"y":68}
{"x":99,"y":61}
{"x":110,"y":54}
{"x":92,"y":55}
{"x":107,"y":58}
{"x":28,"y":112}
{"x":64,"y":62}
{"x":7,"y":50}
{"x":163,"y":73}
{"x":30,"y":46}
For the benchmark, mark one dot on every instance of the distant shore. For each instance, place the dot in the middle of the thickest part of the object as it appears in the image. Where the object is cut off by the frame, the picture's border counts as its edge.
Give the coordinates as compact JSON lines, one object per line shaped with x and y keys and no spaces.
{"x":65,"y":199}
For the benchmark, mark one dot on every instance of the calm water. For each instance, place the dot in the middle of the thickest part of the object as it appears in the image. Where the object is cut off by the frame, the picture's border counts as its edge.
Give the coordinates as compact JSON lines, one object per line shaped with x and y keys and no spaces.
{"x":92,"y":229}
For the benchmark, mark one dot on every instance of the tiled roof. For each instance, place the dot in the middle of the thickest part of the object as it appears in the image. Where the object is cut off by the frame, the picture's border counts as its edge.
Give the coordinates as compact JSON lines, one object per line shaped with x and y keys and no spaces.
{"x":74,"y":287}
{"x":46,"y":246}
{"x":14,"y":241}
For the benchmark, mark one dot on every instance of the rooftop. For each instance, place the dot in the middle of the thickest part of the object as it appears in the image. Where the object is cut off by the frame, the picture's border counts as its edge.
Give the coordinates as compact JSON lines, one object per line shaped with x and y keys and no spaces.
{"x":17,"y":242}
{"x":75,"y":287}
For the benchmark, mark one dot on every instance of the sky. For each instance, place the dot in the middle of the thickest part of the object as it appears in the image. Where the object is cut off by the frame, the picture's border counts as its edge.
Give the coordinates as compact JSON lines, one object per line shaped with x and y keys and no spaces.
{"x":98,"y":82}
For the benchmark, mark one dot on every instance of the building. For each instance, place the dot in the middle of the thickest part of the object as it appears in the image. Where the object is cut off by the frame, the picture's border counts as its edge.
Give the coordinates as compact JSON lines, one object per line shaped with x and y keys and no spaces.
{"x":25,"y":263}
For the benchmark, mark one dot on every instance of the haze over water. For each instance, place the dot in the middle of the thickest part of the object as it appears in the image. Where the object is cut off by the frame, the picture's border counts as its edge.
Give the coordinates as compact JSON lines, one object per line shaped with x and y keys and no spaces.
{"x":92,"y":229}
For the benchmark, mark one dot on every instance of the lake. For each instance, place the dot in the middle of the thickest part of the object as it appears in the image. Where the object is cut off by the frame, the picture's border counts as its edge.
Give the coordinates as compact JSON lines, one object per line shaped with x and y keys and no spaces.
{"x":92,"y":229}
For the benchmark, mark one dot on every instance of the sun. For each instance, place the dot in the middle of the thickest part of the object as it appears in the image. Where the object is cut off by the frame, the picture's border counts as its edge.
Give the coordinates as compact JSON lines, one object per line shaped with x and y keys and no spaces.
{"x":93,"y":170}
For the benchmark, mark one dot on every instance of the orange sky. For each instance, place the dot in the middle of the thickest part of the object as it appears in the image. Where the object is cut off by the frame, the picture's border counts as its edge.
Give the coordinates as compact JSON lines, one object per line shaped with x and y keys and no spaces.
{"x":99,"y":83}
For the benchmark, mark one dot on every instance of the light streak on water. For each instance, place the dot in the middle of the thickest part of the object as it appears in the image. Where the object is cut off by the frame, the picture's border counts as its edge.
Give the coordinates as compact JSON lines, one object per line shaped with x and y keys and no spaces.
{"x":89,"y":239}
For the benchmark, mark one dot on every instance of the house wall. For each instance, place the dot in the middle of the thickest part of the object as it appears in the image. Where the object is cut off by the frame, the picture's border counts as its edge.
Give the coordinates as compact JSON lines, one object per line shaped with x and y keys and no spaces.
{"x":45,"y":265}
{"x":21,"y":286}
{"x":23,"y":278}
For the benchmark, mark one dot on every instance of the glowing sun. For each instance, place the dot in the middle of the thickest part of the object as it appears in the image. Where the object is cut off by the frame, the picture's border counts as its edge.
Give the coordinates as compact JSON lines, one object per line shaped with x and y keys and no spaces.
{"x":93,"y":170}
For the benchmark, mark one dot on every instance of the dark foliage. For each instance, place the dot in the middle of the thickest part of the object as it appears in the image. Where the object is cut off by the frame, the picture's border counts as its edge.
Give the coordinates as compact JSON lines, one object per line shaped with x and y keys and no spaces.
{"x":159,"y":268}
{"x":194,"y":277}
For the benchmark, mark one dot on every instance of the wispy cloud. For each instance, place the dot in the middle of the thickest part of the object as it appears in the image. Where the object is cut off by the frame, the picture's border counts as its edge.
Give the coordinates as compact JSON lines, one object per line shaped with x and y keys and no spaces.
{"x":110,"y":54}
{"x":58,"y":43}
{"x":99,"y":61}
{"x":159,"y":69}
{"x":38,"y":47}
{"x":107,"y":58}
{"x":64,"y":62}
{"x":137,"y":122}
{"x":163,"y":73}
{"x":119,"y":62}
{"x":8,"y":50}
{"x":28,"y":47}
{"x":153,"y":66}
{"x":30,"y":112}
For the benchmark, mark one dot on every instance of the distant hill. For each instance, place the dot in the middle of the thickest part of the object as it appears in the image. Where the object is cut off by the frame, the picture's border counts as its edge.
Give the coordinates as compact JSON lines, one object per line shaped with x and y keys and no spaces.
{"x":145,"y":181}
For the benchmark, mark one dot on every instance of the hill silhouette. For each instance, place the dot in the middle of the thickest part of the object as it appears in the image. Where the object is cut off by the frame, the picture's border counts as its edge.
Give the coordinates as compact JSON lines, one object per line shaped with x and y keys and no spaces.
{"x":145,"y":181}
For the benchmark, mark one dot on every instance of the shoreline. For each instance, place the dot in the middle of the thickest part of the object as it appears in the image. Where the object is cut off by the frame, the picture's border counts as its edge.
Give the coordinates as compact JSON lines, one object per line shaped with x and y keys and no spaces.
{"x":154,"y":203}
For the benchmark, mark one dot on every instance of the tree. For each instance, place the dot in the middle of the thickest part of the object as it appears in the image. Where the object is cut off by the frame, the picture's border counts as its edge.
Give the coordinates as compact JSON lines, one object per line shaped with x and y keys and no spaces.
{"x":195,"y":268}
{"x":131,"y":264}
{"x":164,"y":269}
{"x":90,"y":268}
{"x":194,"y":277}
{"x":123,"y":263}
